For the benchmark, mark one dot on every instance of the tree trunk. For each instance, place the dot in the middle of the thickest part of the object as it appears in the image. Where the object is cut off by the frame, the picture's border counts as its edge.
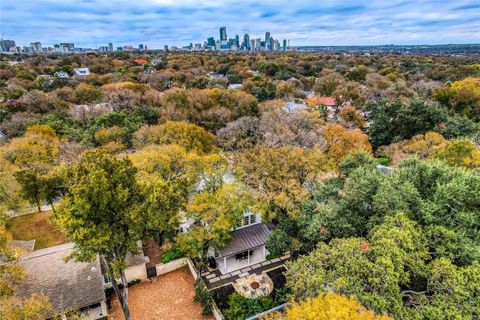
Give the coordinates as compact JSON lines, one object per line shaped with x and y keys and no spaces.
{"x":126,"y":311}
{"x":122,"y":298}
{"x":51,"y":205}
{"x":38,"y":206}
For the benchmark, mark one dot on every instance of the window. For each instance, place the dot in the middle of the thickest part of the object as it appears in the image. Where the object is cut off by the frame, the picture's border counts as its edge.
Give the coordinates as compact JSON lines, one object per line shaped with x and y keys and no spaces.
{"x":253,"y":218}
{"x":246,"y":220}
{"x":242,"y":255}
{"x":106,"y":278}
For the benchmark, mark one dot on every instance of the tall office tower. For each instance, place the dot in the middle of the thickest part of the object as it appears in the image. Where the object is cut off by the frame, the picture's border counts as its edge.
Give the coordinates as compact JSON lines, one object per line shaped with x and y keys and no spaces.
{"x":237,"y":40}
{"x":284,"y":44}
{"x":211,"y":42}
{"x":223,"y":33}
{"x":272,"y":44}
{"x":258,"y":43}
{"x":140,"y":47}
{"x":36,"y":46}
{"x":246,"y":42}
{"x":67,"y":47}
{"x":5,"y":45}
{"x":110,"y":46}
{"x":267,"y":40}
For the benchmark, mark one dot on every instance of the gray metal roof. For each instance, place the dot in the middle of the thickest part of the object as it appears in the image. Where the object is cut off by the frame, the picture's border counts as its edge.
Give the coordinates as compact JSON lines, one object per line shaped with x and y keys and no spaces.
{"x":26,"y":246}
{"x":384,"y":169}
{"x":67,"y":284}
{"x":246,"y":238}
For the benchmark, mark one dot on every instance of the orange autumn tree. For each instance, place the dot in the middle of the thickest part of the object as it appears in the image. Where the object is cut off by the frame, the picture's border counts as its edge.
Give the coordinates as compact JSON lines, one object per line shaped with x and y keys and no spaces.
{"x":340,"y":142}
{"x":331,"y":307}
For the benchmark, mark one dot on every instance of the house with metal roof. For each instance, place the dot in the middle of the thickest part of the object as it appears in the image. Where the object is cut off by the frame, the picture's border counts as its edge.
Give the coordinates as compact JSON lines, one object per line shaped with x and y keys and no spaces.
{"x":68,"y":285}
{"x":246,"y":247}
{"x":80,"y":72}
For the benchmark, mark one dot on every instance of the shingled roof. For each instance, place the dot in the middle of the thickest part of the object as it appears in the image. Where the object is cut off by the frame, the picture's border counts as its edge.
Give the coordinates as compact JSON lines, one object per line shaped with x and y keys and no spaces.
{"x":67,"y":284}
{"x":245,"y":239}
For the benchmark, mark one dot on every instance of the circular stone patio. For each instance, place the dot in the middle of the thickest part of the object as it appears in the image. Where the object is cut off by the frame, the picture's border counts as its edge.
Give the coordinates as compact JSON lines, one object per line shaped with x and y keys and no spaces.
{"x":254,"y":286}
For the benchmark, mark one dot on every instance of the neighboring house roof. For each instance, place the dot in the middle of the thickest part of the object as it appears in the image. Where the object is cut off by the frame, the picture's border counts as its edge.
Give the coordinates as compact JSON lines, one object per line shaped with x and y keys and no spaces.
{"x":384,"y":169}
{"x":140,"y":61}
{"x":327,"y":101}
{"x":234,"y":86}
{"x":291,"y":106}
{"x":67,"y":284}
{"x":26,"y":246}
{"x":81,"y":71}
{"x":244,"y":239}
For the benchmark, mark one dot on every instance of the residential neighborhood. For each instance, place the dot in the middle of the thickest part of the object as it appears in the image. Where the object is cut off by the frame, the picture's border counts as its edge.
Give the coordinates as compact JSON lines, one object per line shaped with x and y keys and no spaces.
{"x":274,"y":160}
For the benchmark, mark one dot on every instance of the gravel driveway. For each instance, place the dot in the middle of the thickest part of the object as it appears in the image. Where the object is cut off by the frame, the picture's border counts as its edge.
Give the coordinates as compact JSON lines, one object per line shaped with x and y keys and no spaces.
{"x":167,"y":297}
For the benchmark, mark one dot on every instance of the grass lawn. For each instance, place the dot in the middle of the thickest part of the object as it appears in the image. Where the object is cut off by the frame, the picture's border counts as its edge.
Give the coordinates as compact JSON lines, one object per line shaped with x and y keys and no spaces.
{"x":37,"y":226}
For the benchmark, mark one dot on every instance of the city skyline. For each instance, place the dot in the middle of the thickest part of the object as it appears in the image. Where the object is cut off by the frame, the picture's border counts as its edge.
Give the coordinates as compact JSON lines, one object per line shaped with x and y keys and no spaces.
{"x":91,"y":23}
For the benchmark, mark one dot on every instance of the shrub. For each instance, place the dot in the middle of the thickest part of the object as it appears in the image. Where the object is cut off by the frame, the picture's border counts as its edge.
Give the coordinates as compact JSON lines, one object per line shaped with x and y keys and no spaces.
{"x":203,"y":296}
{"x":172,"y":254}
{"x":242,"y":308}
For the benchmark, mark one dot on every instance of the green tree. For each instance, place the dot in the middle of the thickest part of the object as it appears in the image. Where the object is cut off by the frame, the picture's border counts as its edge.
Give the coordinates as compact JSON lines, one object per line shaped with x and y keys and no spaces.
{"x":101,"y":215}
{"x":394,"y":121}
{"x":31,"y":186}
{"x":390,"y":272}
{"x":213,"y":215}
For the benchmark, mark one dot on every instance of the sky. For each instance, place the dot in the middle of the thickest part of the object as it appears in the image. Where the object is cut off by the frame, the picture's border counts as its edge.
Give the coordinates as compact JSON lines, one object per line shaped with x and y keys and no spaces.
{"x":93,"y":23}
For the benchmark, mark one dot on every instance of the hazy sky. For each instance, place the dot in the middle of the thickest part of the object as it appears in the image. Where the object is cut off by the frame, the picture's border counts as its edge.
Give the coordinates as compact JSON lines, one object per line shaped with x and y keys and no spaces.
{"x":91,"y":23}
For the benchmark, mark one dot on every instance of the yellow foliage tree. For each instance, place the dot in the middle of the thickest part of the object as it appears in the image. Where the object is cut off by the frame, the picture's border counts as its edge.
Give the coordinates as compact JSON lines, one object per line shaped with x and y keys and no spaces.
{"x":331,"y":307}
{"x":186,"y":135}
{"x":340,"y":142}
{"x":39,"y":146}
{"x":36,"y":307}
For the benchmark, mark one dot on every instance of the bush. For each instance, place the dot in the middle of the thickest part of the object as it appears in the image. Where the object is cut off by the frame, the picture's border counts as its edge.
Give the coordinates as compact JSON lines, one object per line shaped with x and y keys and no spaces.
{"x":203,"y":296}
{"x":242,"y":308}
{"x":172,"y":254}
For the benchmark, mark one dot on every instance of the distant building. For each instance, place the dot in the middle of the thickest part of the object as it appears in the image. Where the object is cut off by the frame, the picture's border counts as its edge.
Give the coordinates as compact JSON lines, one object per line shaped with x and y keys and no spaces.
{"x":69,"y":46}
{"x":292,"y":107}
{"x":36,"y":46}
{"x":246,"y":42}
{"x":223,"y":33}
{"x":284,"y":44}
{"x":110,"y":47}
{"x":156,"y":61}
{"x":213,"y":75}
{"x":140,"y":47}
{"x":3,"y":138}
{"x":141,"y":62}
{"x":267,"y":40}
{"x":235,"y":86}
{"x":81,"y":72}
{"x":61,"y":74}
{"x":384,"y":169}
{"x":5,"y":45}
{"x":211,"y":42}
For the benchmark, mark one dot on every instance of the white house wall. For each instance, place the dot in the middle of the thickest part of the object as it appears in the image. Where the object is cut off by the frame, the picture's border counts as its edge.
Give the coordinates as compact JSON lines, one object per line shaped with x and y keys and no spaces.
{"x":257,"y":256}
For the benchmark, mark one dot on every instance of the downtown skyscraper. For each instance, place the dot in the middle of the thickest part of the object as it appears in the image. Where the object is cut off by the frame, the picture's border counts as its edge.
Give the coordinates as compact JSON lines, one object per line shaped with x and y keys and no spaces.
{"x":240,"y":43}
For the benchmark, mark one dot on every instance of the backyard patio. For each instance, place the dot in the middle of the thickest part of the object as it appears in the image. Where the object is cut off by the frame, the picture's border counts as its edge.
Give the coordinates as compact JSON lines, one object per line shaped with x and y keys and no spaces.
{"x":166,"y":297}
